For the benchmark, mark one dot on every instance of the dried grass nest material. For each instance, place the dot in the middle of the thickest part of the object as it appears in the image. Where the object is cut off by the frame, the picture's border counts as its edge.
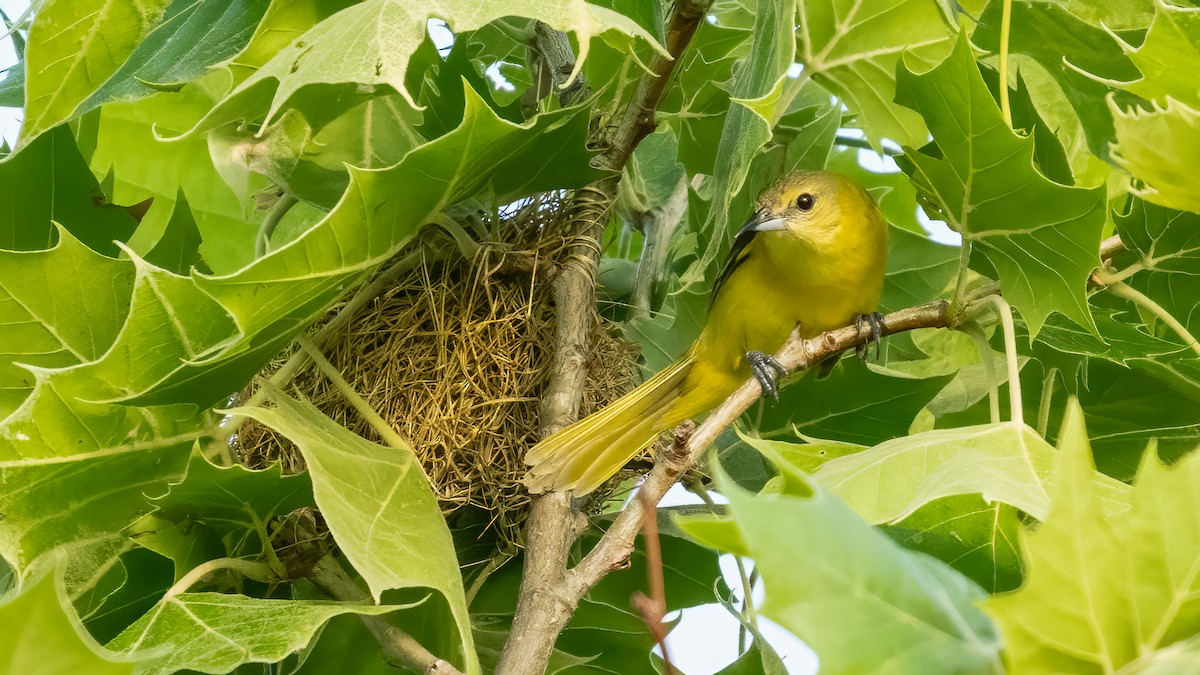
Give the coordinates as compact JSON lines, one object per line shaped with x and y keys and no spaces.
{"x":455,"y":357}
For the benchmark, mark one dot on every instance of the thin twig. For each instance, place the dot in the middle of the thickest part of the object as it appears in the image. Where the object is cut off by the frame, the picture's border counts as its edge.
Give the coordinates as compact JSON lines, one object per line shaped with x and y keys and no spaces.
{"x":653,"y":608}
{"x":398,"y":646}
{"x":262,"y":241}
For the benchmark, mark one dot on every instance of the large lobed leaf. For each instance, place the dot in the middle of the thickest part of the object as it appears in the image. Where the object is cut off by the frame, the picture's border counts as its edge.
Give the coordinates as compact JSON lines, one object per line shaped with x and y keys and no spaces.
{"x":862,"y":602}
{"x":1041,"y":236}
{"x":1104,"y":591}
{"x":852,"y":48}
{"x":369,"y":45}
{"x":217,"y":632}
{"x":74,"y":46}
{"x":379,"y":507}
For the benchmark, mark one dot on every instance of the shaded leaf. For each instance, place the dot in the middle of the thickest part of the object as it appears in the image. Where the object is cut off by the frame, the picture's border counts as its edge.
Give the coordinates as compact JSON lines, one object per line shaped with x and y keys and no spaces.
{"x":981,"y":180}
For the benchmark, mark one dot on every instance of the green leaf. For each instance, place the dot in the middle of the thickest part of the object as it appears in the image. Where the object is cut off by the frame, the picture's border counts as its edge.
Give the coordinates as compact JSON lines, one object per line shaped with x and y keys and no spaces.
{"x":852,"y":49}
{"x":12,"y":87}
{"x":976,"y":538}
{"x":53,"y":315}
{"x":215,"y":632}
{"x":379,"y":507}
{"x":193,"y":36}
{"x":370,"y":45}
{"x":1167,"y":58}
{"x":834,"y":408}
{"x":864,"y":603}
{"x":1042,"y":237}
{"x":143,"y":166}
{"x":1070,"y":50}
{"x":1156,"y":146}
{"x":757,"y":90}
{"x":74,"y":46}
{"x":1093,"y":602}
{"x":1003,"y":462}
{"x":50,"y":182}
{"x":212,"y":504}
{"x":43,"y":637}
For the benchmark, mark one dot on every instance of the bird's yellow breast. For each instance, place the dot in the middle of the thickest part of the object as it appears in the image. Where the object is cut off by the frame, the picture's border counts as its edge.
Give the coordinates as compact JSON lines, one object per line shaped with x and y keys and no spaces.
{"x":817,"y":280}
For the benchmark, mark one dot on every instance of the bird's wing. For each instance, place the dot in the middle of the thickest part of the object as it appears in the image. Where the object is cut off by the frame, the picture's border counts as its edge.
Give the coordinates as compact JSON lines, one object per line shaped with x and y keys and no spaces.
{"x":737,"y":256}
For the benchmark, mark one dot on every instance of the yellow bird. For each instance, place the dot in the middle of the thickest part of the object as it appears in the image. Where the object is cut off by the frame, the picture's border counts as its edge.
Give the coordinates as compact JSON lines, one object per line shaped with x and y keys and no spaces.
{"x":812,"y":256}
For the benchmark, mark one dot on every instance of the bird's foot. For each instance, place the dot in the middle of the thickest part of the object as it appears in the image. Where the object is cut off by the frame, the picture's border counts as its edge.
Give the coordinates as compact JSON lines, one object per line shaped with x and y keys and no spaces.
{"x":762,"y":366}
{"x":874,"y":323}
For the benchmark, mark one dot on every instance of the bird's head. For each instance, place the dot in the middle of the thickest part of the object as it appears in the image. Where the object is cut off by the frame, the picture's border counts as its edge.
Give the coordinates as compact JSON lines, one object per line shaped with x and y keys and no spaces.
{"x":809,"y":204}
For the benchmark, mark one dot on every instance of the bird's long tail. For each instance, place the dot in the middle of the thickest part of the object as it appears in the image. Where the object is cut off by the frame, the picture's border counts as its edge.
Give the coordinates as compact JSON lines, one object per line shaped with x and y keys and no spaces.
{"x":587,"y":453}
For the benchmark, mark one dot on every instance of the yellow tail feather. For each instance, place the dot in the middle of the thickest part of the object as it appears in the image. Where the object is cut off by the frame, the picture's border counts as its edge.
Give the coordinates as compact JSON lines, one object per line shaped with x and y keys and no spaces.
{"x":587,"y":453}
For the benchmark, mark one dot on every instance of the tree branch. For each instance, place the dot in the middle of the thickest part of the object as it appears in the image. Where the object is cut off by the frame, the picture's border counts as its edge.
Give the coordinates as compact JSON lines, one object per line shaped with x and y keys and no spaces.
{"x":544,"y":606}
{"x":308,"y":557}
{"x":797,"y":354}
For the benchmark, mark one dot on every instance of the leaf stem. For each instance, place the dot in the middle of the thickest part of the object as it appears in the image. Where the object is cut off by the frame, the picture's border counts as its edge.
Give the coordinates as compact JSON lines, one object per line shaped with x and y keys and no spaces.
{"x":989,"y":367}
{"x":1043,"y":421}
{"x":1123,"y":290}
{"x":1005,"y":27}
{"x":247,"y":568}
{"x":262,"y":241}
{"x":964,"y":270}
{"x":381,"y":427}
{"x":1016,"y":411}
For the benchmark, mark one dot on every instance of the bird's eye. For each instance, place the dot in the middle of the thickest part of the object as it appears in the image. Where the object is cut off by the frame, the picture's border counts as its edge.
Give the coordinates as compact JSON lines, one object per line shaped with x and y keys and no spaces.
{"x":805,"y":202}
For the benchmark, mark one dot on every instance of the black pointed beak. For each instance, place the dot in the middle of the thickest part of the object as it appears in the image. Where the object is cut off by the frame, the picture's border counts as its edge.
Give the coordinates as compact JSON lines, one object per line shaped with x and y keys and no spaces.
{"x":762,"y":221}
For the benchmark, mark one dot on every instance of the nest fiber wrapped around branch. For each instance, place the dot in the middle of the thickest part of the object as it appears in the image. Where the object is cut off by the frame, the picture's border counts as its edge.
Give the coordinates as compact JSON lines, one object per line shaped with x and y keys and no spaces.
{"x":455,"y":357}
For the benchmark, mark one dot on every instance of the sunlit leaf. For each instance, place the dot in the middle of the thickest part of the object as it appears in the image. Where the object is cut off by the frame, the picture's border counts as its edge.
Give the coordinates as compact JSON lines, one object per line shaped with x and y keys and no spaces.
{"x":1092,"y":602}
{"x":42,"y":638}
{"x":215,"y":632}
{"x":74,"y":46}
{"x":379,"y":507}
{"x":1156,"y":147}
{"x":852,"y":48}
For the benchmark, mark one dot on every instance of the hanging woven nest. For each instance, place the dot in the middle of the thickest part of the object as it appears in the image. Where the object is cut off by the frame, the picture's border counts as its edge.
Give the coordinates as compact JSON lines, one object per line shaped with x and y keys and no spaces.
{"x":455,"y":357}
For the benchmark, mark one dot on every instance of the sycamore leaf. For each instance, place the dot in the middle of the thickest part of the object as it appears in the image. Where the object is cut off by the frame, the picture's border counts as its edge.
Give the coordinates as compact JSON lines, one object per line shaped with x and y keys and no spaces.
{"x":43,"y":637}
{"x":1092,"y":602}
{"x":864,"y":604}
{"x":852,"y":47}
{"x":216,"y":632}
{"x":370,"y":44}
{"x":193,"y":36}
{"x":1042,"y":237}
{"x":51,"y":312}
{"x":74,"y":46}
{"x":1156,"y":146}
{"x":1003,"y":462}
{"x":1168,"y":57}
{"x":1072,"y":51}
{"x":50,"y":182}
{"x":378,"y":504}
